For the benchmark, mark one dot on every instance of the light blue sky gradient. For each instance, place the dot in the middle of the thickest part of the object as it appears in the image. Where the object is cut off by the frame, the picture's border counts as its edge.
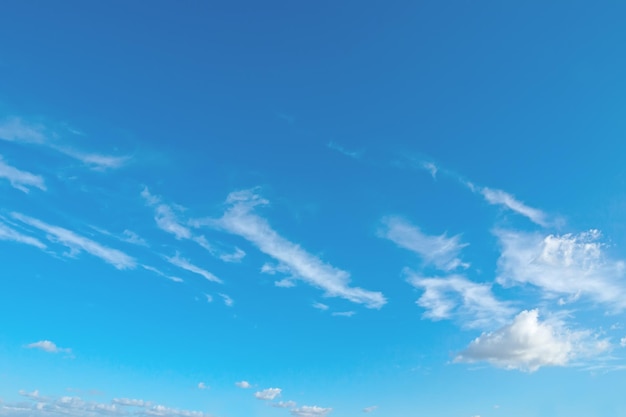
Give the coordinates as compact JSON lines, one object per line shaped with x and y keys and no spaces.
{"x":313,"y":209}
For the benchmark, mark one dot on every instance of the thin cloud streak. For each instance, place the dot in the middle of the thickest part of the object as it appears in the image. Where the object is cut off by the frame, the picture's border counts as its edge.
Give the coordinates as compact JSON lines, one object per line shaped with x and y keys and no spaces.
{"x":21,"y":180}
{"x":77,"y":243}
{"x":183,"y":263}
{"x":239,"y":219}
{"x":9,"y":234}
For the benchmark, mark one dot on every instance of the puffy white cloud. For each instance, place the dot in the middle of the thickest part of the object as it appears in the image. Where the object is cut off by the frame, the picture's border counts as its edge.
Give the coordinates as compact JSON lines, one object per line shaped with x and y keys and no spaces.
{"x":10,"y":234}
{"x":239,"y":219}
{"x":77,"y":243}
{"x":48,"y":346}
{"x":203,"y":386}
{"x":574,"y":265}
{"x":502,"y":198}
{"x":457,"y":297}
{"x":310,"y":411}
{"x":528,"y":344}
{"x":441,"y":251}
{"x":21,"y":180}
{"x":183,"y":263}
{"x":268,"y":393}
{"x":243,"y":384}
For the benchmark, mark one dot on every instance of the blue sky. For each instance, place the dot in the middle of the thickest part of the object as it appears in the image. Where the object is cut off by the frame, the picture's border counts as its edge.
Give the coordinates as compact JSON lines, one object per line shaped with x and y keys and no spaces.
{"x":310,"y":209}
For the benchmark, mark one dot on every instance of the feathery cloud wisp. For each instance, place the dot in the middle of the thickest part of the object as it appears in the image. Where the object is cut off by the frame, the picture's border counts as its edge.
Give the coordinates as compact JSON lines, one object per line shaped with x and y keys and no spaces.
{"x":21,"y":180}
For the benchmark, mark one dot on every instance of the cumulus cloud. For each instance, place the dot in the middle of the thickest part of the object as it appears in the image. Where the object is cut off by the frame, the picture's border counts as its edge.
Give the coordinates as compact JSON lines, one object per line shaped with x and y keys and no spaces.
{"x":48,"y":346}
{"x":574,"y":265}
{"x":457,"y":297}
{"x":240,"y":219}
{"x":21,"y":180}
{"x":40,"y":406}
{"x":243,"y":384}
{"x":183,"y":263}
{"x":527,"y":344}
{"x":268,"y":394}
{"x":502,"y":198}
{"x":440,"y":250}
{"x":77,"y":243}
{"x":310,"y":411}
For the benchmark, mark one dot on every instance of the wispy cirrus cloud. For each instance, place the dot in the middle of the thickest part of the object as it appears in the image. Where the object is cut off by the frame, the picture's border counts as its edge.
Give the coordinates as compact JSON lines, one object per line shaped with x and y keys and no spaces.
{"x":77,"y":243}
{"x":167,"y":218}
{"x":337,"y":147}
{"x":162,"y":274}
{"x":48,"y":346}
{"x":21,"y":180}
{"x":9,"y":234}
{"x":240,"y":219}
{"x":438,"y":250}
{"x":502,"y":198}
{"x":574,"y":266}
{"x":528,"y":344}
{"x":183,"y":263}
{"x":16,"y":129}
{"x":454,"y":296}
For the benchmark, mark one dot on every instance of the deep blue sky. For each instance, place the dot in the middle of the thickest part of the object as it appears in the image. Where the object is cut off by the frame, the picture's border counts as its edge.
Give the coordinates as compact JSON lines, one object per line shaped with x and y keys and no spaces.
{"x":319,"y":208}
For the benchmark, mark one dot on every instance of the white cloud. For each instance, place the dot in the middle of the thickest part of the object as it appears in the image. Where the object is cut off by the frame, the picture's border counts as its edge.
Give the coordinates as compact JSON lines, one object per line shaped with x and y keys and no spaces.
{"x":622,"y":342}
{"x":441,"y":251}
{"x":209,"y":298}
{"x":573,"y":264}
{"x":9,"y":234}
{"x":502,"y":198}
{"x":239,"y":219}
{"x":430,"y":167}
{"x":528,"y":344}
{"x":284,"y":404}
{"x":227,"y":300}
{"x":48,"y":346}
{"x":129,"y":236}
{"x":343,"y":313}
{"x":21,"y":180}
{"x":167,"y":219}
{"x":268,"y":394}
{"x":243,"y":384}
{"x":128,"y":402}
{"x":164,"y":275}
{"x":370,"y":409}
{"x":183,"y":263}
{"x":76,"y":407}
{"x":320,"y":306}
{"x":457,"y":297}
{"x":203,"y":386}
{"x":337,"y":147}
{"x":77,"y":243}
{"x":310,"y":411}
{"x":15,"y":129}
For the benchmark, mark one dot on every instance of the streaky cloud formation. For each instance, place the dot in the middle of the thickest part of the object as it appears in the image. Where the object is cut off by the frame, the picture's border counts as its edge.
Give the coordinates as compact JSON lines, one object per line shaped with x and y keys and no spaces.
{"x":455,"y":296}
{"x":527,"y":344}
{"x":21,"y":180}
{"x":572,"y":265}
{"x":337,"y":147}
{"x":15,"y":129}
{"x":502,"y":198}
{"x":440,"y":250}
{"x":9,"y":234}
{"x":240,"y":219}
{"x":48,"y":346}
{"x":160,"y":273}
{"x":77,"y":243}
{"x":183,"y":263}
